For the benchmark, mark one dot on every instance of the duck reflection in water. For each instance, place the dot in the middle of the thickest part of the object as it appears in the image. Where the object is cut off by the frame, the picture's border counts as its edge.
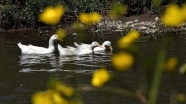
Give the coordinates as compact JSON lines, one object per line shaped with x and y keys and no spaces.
{"x":37,"y":62}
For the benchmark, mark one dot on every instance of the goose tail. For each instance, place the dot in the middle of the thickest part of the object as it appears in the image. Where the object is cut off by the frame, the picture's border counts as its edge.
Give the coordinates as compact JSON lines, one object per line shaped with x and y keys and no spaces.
{"x":20,"y":45}
{"x":59,"y":46}
{"x":77,"y":45}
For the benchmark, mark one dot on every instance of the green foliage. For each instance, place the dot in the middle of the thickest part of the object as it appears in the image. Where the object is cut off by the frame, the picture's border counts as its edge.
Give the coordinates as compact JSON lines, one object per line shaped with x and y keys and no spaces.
{"x":16,"y":15}
{"x":24,"y":13}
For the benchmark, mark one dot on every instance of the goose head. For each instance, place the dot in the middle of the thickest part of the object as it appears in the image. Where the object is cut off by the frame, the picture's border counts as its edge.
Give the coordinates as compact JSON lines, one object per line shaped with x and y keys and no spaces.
{"x":94,"y":44}
{"x":107,"y":44}
{"x":52,"y":39}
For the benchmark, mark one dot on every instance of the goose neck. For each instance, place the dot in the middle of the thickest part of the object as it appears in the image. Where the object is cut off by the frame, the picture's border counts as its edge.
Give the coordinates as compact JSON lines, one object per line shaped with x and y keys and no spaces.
{"x":51,"y":42}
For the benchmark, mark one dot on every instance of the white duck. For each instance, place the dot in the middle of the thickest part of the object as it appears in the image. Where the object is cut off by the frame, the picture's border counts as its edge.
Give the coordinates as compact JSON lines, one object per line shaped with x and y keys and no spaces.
{"x":80,"y":50}
{"x":83,"y":45}
{"x":30,"y":49}
{"x":68,"y":51}
{"x":103,"y":48}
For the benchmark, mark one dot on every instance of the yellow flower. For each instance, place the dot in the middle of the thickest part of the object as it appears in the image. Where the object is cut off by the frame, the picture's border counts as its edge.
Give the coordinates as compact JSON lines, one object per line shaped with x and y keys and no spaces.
{"x":129,"y":39}
{"x":48,"y":97}
{"x":65,"y":89}
{"x":42,"y":98}
{"x":99,"y":77}
{"x":134,"y":35}
{"x":58,"y":99}
{"x":122,"y":61}
{"x":52,"y":15}
{"x":171,"y":63}
{"x":95,"y":17}
{"x":89,"y":18}
{"x":181,"y":97}
{"x":84,"y":18}
{"x":173,"y":16}
{"x":61,"y":34}
{"x":182,"y":69}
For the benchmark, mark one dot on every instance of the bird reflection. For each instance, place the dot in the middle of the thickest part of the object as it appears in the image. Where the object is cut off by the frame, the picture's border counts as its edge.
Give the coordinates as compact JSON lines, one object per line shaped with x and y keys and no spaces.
{"x":36,"y":62}
{"x":53,"y":62}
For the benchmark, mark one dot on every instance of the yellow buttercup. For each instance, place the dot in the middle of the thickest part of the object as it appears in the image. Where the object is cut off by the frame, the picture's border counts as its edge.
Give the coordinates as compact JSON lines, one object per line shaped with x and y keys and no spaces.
{"x":52,"y":15}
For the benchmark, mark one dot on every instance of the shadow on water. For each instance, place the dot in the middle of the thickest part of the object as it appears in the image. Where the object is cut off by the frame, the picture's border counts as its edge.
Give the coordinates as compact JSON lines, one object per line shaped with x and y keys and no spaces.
{"x":22,"y":75}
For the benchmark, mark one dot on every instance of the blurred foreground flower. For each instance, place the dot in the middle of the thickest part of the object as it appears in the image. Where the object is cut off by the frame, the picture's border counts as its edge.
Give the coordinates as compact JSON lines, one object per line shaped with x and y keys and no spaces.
{"x":182,"y":69}
{"x":90,"y":18}
{"x":122,"y":61}
{"x":181,"y":97}
{"x":78,"y":27}
{"x":117,"y":9}
{"x":174,"y":15}
{"x":61,"y":33}
{"x":48,"y":97}
{"x":171,"y":64}
{"x":99,"y":77}
{"x":52,"y":15}
{"x":129,"y":39}
{"x":64,"y":89}
{"x":60,"y":87}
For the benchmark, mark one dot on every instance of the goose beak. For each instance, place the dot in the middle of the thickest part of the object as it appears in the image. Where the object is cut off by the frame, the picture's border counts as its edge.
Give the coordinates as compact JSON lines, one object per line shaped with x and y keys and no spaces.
{"x":99,"y":45}
{"x":60,"y":39}
{"x":111,"y":48}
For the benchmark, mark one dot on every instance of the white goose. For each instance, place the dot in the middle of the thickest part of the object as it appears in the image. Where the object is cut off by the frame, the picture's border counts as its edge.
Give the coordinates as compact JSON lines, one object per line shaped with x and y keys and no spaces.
{"x":102,"y":48}
{"x":30,"y":49}
{"x":80,"y":50}
{"x":83,"y":45}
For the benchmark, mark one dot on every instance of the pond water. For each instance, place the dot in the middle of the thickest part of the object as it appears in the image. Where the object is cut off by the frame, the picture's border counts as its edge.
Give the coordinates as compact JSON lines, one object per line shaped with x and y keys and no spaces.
{"x":22,"y":75}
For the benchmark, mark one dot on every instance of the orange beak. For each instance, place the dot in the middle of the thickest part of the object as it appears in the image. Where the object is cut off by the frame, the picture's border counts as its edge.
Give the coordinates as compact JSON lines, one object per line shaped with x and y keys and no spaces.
{"x":60,"y":39}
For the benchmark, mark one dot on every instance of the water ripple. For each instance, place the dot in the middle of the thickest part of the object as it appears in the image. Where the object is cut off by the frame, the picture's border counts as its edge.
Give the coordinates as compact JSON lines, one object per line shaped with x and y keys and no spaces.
{"x":53,"y":63}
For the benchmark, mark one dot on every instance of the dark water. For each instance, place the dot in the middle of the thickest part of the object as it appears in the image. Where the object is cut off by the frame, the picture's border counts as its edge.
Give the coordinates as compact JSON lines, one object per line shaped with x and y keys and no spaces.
{"x":22,"y":75}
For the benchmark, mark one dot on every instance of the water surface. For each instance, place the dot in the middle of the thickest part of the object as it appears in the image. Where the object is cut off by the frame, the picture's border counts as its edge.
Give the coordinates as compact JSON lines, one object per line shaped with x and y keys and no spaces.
{"x":22,"y":75}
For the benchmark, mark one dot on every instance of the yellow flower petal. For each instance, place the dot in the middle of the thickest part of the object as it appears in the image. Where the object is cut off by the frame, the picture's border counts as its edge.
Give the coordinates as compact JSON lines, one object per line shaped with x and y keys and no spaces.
{"x":65,"y":89}
{"x":134,"y":35}
{"x":173,"y":16}
{"x":122,"y":61}
{"x":95,"y":17}
{"x":48,"y":97}
{"x":84,"y":18}
{"x":42,"y":98}
{"x":57,"y":99}
{"x":52,"y":15}
{"x":181,"y":97}
{"x":171,"y":63}
{"x":61,"y":34}
{"x":89,"y":18}
{"x":99,"y":77}
{"x":129,"y":39}
{"x":182,"y":69}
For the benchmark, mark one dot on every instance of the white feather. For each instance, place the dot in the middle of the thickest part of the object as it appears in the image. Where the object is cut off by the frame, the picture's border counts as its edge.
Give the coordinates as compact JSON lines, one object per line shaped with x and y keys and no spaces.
{"x":30,"y":49}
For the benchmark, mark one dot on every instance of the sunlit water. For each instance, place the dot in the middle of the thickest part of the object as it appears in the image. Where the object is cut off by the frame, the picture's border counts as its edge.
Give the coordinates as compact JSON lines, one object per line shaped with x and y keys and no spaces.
{"x":23,"y":75}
